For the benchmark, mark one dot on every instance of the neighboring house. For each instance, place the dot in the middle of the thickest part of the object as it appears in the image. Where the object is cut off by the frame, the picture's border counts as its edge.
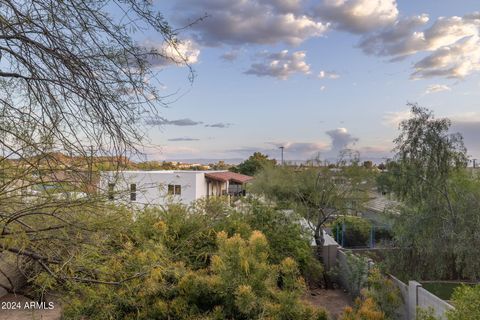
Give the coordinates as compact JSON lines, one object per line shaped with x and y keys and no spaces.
{"x":160,"y":187}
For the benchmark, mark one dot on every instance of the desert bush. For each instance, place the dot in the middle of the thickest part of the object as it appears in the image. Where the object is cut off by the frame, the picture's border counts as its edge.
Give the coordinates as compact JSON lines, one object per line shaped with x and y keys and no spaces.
{"x":425,"y":314}
{"x":364,"y":309}
{"x":466,"y":300}
{"x":356,"y":272}
{"x":237,"y":282}
{"x":378,"y":300}
{"x":385,"y":294}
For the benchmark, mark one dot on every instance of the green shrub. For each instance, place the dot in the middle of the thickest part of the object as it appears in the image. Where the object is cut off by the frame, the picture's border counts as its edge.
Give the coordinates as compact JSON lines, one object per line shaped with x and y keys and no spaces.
{"x":466,"y":300}
{"x":385,"y":293}
{"x":426,"y":314}
{"x":357,"y":273}
{"x":238,"y":281}
{"x":357,"y":230}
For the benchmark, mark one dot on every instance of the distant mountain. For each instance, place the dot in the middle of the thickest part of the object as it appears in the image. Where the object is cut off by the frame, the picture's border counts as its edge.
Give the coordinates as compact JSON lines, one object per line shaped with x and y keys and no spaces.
{"x":233,"y":161}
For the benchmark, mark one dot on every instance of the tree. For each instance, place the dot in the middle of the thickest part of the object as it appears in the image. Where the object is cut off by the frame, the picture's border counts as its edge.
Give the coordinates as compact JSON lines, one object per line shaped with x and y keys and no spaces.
{"x":435,"y":229}
{"x":318,"y":194}
{"x":75,"y":85}
{"x":426,"y":156}
{"x":254,"y":164}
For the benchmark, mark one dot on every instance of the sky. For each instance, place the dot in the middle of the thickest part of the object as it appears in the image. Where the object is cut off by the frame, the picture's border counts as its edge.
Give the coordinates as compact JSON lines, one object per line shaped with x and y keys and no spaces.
{"x":313,"y":76}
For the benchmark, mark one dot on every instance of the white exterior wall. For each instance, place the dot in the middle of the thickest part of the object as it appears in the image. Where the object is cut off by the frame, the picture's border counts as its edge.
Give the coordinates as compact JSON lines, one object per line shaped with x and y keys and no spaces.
{"x":152,"y":186}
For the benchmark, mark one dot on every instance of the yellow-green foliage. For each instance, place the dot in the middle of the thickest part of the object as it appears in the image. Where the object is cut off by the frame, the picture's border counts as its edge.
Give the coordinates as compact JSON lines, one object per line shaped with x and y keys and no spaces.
{"x":365,"y":309}
{"x":238,"y":283}
{"x":380,"y":301}
{"x":384,"y":292}
{"x":466,"y":300}
{"x":426,"y":314}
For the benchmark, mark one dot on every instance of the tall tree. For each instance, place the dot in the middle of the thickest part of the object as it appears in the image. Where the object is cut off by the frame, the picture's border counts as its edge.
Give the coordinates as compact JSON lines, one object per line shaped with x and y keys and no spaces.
{"x":437,"y":222}
{"x":73,"y":82}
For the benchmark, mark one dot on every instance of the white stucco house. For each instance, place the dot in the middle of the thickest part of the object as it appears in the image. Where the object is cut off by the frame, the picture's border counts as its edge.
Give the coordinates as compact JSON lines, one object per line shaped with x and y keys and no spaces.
{"x":163,"y":186}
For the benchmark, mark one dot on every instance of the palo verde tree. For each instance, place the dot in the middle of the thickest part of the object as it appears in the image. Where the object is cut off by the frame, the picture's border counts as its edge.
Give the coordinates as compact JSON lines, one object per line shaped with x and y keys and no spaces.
{"x":316,"y":193}
{"x":436,"y":228}
{"x":74,"y":84}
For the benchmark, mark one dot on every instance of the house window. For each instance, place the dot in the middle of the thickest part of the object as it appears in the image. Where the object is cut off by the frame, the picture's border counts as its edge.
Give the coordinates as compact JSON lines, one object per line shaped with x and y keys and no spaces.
{"x":111,"y":191}
{"x":133,"y":192}
{"x":174,"y":189}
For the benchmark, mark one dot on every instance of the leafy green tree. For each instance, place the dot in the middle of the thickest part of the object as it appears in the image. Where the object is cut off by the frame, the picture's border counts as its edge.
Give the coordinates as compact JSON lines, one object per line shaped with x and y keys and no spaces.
{"x":254,"y":164}
{"x":318,"y":194}
{"x":435,"y":229}
{"x":73,"y":81}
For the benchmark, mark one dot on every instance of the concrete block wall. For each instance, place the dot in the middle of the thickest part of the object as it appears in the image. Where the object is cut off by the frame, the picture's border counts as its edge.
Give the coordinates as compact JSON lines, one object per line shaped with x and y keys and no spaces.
{"x":426,"y":299}
{"x":418,"y":297}
{"x":413,"y":294}
{"x":403,"y":310}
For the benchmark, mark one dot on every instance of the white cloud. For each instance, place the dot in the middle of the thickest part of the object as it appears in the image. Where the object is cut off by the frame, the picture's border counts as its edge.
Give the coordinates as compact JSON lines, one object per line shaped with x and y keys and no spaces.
{"x":162,"y":54}
{"x":284,"y":6}
{"x":399,"y":40}
{"x":434,"y":88}
{"x":230,"y":56}
{"x":358,"y":16}
{"x":181,"y":139}
{"x":221,"y":125}
{"x":250,"y":21}
{"x":452,"y":44}
{"x":280,"y":65}
{"x":341,"y":139}
{"x":302,"y":148}
{"x":328,"y":75}
{"x":394,"y":118}
{"x":160,"y":121}
{"x":455,"y":61}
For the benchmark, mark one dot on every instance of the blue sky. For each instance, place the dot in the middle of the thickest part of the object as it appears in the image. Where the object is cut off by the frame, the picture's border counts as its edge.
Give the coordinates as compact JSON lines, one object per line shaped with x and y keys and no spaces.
{"x":314,"y":76}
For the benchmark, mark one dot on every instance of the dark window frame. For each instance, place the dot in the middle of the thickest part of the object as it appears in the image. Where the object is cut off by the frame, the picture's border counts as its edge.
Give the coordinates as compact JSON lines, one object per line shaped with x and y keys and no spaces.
{"x":111,"y":191}
{"x":133,"y":192}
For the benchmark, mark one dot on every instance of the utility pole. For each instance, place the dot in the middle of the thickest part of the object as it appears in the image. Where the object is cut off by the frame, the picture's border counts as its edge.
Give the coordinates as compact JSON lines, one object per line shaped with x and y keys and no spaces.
{"x":282,"y":147}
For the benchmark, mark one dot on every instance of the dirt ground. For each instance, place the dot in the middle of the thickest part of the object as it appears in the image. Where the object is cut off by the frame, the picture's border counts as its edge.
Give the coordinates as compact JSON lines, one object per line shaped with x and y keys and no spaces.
{"x":23,"y":312}
{"x":333,"y":300}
